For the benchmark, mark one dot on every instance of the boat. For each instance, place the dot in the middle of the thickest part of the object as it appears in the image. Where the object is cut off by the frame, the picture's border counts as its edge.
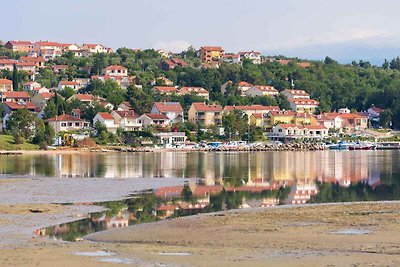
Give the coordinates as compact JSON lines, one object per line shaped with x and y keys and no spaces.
{"x":340,"y":146}
{"x":362,"y":146}
{"x":388,"y":146}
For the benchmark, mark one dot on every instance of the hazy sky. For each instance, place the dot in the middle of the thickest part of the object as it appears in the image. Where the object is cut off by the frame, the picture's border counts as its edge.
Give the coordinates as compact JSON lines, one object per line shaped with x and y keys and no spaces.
{"x":343,"y":29}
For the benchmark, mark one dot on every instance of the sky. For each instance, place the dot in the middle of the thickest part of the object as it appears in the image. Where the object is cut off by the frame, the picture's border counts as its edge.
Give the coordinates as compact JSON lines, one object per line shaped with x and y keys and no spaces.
{"x":345,"y":30}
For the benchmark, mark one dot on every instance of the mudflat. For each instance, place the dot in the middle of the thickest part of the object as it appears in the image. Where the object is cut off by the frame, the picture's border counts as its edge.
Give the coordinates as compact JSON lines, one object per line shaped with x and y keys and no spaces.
{"x":354,"y":234}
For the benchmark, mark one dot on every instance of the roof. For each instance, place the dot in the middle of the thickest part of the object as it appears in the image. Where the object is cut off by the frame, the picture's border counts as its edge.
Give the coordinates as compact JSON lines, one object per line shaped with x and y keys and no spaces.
{"x":15,"y":94}
{"x":115,"y":67}
{"x":68,"y":83}
{"x":91,"y":45}
{"x":377,"y":110}
{"x":47,"y":95}
{"x":212,"y":48}
{"x":198,"y":90}
{"x":296,"y":92}
{"x":303,"y":64}
{"x":5,"y":82}
{"x":15,"y":105}
{"x":265,"y":88}
{"x":156,"y":116}
{"x":251,"y":52}
{"x":46,"y":43}
{"x":126,"y":114}
{"x":64,"y":117}
{"x":32,"y":59}
{"x":164,"y":89}
{"x":282,"y":113}
{"x":169,"y":191}
{"x":244,"y":84}
{"x":105,"y":115}
{"x":20,"y":42}
{"x":8,"y":61}
{"x":257,"y":115}
{"x":304,"y":101}
{"x":200,"y":106}
{"x":252,"y":107}
{"x":203,"y":190}
{"x":351,"y":116}
{"x":168,"y":106}
{"x":179,"y":61}
{"x":83,"y":97}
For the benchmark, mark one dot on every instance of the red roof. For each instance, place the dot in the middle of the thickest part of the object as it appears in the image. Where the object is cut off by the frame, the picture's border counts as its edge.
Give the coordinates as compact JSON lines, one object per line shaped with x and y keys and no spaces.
{"x":32,"y":59}
{"x":200,"y":106}
{"x":198,"y":90}
{"x":156,"y":116}
{"x":126,"y":114}
{"x":47,"y":95}
{"x":115,"y":67}
{"x":15,"y":105}
{"x":257,"y":115}
{"x":46,"y":43}
{"x":204,"y":190}
{"x":105,"y":115}
{"x":5,"y":82}
{"x":212,"y":48}
{"x":244,"y":84}
{"x":351,"y":116}
{"x":83,"y":97}
{"x":164,"y":89}
{"x":20,"y":43}
{"x":16,"y":94}
{"x":252,"y":107}
{"x":168,"y":106}
{"x":64,"y":117}
{"x":169,"y":191}
{"x":8,"y":61}
{"x":304,"y":101}
{"x":282,"y":113}
{"x":265,"y":88}
{"x":167,"y":207}
{"x":68,"y":83}
{"x":296,"y":92}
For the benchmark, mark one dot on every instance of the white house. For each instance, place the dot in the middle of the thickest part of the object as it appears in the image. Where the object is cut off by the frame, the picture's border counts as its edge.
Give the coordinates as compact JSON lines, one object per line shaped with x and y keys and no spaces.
{"x":254,"y":56}
{"x":106,"y":119}
{"x":330,"y":120}
{"x":303,"y":105}
{"x":115,"y":70}
{"x":126,"y":120}
{"x":261,"y":90}
{"x":157,"y":120}
{"x":172,"y":110}
{"x":295,"y":94}
{"x":65,"y":123}
{"x":72,"y":84}
{"x":30,"y":86}
{"x":293,"y":131}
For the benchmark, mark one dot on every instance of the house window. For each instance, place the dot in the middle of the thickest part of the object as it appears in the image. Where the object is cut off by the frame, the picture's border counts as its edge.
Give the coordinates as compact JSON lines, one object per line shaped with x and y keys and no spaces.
{"x":69,"y":124}
{"x":280,"y":130}
{"x":63,"y":124}
{"x":77,"y":124}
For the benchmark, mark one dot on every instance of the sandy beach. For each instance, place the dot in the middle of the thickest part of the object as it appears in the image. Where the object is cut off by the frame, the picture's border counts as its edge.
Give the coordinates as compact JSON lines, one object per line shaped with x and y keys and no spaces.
{"x":358,"y":234}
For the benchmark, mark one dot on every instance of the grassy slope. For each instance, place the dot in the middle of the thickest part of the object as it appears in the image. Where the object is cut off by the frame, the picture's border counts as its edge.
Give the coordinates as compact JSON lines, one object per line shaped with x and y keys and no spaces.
{"x":7,"y":143}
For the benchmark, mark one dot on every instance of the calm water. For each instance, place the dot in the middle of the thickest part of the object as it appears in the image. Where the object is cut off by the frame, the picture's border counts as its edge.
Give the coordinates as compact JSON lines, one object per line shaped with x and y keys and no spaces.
{"x":225,"y":181}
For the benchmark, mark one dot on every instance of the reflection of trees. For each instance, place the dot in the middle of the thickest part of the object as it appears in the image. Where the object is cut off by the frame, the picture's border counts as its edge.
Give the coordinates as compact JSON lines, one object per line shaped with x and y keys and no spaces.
{"x":358,"y":192}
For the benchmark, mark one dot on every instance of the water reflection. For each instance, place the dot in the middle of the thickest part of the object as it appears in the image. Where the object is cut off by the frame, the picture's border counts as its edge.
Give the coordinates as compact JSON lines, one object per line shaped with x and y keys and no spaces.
{"x":194,"y":198}
{"x":259,"y":168}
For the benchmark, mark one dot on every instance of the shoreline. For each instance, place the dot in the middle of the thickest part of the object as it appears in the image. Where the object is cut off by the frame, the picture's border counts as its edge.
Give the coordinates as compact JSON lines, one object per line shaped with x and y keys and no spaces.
{"x":289,"y":235}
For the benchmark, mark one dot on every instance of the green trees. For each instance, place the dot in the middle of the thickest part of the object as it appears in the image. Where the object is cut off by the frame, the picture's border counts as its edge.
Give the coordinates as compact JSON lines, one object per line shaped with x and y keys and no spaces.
{"x":235,"y":124}
{"x":21,"y":124}
{"x":15,"y":77}
{"x":44,"y":134}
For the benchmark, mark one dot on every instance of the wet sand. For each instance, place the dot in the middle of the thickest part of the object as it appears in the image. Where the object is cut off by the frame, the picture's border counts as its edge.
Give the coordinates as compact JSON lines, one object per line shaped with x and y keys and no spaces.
{"x":360,"y":234}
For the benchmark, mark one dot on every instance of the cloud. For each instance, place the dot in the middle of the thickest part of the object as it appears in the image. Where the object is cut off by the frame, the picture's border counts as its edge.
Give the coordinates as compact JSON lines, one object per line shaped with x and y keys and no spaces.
{"x":173,"y":46}
{"x":338,"y":37}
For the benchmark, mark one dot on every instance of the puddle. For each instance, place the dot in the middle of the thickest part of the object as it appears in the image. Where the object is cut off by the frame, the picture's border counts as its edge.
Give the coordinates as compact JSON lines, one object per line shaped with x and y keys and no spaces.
{"x":95,"y":254}
{"x":116,"y":260}
{"x":351,"y":232}
{"x":175,"y":253}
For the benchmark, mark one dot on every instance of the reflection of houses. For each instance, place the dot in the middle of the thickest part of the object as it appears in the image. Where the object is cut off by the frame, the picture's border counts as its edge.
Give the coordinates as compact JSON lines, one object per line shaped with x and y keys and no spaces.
{"x":301,"y":193}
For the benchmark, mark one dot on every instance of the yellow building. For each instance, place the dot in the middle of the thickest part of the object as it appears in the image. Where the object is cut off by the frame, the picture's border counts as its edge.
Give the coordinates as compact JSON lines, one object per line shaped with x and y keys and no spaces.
{"x":285,"y":117}
{"x":211,"y":53}
{"x":205,"y":115}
